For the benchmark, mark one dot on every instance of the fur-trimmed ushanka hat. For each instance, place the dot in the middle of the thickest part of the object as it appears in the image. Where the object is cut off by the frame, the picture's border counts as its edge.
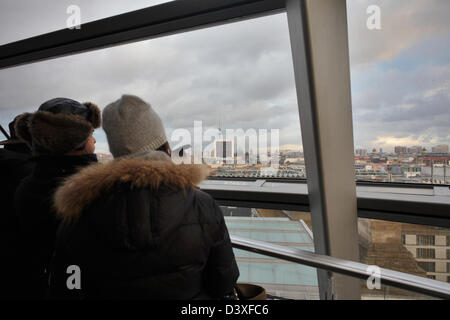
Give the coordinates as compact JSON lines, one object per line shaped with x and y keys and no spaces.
{"x":59,"y":126}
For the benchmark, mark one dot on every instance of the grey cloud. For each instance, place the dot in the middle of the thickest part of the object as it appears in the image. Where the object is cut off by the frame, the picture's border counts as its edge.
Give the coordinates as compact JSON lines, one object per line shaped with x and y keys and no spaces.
{"x":403,"y":23}
{"x":245,"y":82}
{"x":241,"y":73}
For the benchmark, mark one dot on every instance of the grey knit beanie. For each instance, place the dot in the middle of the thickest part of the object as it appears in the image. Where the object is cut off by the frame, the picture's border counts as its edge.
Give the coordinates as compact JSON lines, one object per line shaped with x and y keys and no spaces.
{"x":132,"y":126}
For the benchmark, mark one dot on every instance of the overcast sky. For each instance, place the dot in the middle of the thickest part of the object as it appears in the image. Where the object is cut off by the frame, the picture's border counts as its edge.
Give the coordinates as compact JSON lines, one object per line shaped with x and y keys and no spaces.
{"x":241,"y":74}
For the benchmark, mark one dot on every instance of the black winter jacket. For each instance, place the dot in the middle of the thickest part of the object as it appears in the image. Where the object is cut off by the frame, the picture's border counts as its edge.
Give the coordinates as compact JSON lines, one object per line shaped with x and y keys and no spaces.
{"x":140,"y":229}
{"x":14,"y":166}
{"x":36,"y":216}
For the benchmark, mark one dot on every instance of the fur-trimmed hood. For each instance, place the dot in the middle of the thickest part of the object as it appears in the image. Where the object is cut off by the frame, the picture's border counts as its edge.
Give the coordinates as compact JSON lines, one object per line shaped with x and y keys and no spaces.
{"x":83,"y":188}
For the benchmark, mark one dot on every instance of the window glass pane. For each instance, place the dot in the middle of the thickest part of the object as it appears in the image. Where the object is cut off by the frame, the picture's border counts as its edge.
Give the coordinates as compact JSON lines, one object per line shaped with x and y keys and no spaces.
{"x":425,"y":253}
{"x":281,"y":279}
{"x":226,"y":94}
{"x":427,"y":266}
{"x":400,"y":81}
{"x":425,"y":240}
{"x":415,"y":249}
{"x":21,"y":19}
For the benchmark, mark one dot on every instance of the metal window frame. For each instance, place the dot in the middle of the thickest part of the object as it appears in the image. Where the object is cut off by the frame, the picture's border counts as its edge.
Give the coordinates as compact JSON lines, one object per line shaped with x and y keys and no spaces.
{"x":156,"y":21}
{"x":186,"y":15}
{"x":406,"y":204}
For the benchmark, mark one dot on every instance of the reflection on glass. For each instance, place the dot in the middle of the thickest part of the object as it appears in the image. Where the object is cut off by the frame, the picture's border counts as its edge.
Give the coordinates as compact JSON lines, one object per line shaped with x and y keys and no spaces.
{"x":281,"y":279}
{"x":415,"y":249}
{"x":392,"y":293}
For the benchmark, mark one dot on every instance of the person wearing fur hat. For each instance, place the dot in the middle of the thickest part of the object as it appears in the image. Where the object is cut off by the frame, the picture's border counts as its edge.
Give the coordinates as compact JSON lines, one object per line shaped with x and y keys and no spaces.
{"x":15,"y":164}
{"x":60,"y":137}
{"x":138,"y":227}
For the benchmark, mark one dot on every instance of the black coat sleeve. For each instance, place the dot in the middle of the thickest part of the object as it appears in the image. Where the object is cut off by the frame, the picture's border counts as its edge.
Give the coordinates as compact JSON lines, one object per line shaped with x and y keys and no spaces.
{"x":61,"y":260}
{"x":221,"y":270}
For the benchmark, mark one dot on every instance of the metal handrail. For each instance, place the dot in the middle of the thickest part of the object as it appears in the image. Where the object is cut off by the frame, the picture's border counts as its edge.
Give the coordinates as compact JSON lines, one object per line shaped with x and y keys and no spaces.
{"x":393,"y":278}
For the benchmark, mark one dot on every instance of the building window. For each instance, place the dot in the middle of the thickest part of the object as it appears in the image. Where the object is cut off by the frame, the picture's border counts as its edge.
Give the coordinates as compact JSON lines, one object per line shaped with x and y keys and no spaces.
{"x":448,"y":241}
{"x":431,"y":277}
{"x":425,"y":240}
{"x":425,"y":253}
{"x":448,"y":267}
{"x":448,"y":253}
{"x":428,"y":266}
{"x":448,"y":279}
{"x":404,"y":238}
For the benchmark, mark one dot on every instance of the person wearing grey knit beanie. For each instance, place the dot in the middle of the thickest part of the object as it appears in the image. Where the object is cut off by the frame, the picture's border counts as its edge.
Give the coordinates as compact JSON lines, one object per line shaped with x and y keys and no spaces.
{"x":139,"y":226}
{"x":133,"y":128}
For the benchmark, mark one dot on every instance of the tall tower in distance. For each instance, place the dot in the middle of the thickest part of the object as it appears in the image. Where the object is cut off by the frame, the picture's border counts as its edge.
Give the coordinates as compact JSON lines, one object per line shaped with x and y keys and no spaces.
{"x":223,"y":148}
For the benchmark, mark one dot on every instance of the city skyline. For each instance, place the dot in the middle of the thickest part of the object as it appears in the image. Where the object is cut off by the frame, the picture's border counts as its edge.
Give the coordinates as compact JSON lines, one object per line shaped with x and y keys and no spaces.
{"x":242,"y":73}
{"x":227,"y":97}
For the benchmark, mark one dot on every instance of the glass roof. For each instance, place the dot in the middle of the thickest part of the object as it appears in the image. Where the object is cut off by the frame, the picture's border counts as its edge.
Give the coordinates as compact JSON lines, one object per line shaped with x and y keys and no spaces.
{"x":277,"y":276}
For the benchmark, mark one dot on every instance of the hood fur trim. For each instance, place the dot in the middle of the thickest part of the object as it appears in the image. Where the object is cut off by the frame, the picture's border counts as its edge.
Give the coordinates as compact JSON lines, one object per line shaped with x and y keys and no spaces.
{"x":81,"y":189}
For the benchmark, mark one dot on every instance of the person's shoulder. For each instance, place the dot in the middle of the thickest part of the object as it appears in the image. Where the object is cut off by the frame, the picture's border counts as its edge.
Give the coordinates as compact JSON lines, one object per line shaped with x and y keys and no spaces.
{"x":208,"y":207}
{"x":203,"y":196}
{"x":129,"y":177}
{"x":9,"y":155}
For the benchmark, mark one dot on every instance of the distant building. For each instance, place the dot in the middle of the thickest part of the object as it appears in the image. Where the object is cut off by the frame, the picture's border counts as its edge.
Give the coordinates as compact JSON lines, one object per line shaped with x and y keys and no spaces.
{"x":415,"y":150}
{"x":400,"y":150}
{"x":294,"y":161}
{"x":223,"y":149}
{"x":442,"y":148}
{"x":381,"y":245}
{"x":436,"y":174}
{"x":431,"y":249}
{"x":361,"y":152}
{"x":395,"y":169}
{"x":294,"y":154}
